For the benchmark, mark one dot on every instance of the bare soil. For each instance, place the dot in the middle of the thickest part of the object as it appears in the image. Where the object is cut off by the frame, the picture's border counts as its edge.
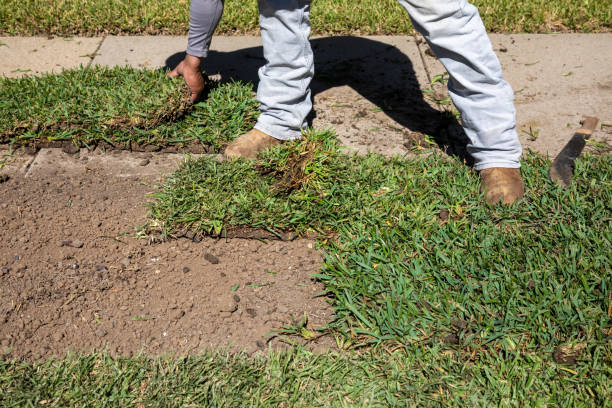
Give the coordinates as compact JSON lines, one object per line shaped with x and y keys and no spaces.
{"x":74,"y":277}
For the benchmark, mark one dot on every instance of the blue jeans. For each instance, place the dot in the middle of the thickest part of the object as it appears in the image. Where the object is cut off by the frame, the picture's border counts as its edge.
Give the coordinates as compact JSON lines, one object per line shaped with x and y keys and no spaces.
{"x":455,"y":33}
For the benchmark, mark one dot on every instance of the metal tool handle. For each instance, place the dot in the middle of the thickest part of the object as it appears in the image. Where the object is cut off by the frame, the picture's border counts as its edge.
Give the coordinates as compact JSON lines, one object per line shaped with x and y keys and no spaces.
{"x":589,"y":123}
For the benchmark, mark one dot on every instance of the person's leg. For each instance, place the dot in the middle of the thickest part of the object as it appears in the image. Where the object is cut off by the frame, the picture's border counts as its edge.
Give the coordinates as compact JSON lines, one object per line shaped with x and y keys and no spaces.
{"x":204,"y":16}
{"x":283,"y":92}
{"x":457,"y":36}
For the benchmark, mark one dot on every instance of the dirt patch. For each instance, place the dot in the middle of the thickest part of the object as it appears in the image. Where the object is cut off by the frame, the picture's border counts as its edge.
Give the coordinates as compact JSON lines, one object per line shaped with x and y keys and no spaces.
{"x":233,"y":232}
{"x":73,"y":277}
{"x":568,"y":354}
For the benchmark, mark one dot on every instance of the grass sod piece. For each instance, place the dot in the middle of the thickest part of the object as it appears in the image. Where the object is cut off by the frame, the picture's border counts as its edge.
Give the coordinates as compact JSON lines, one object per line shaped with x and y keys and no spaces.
{"x":206,"y":196}
{"x":97,"y":17}
{"x":418,"y":376}
{"x":123,"y":107}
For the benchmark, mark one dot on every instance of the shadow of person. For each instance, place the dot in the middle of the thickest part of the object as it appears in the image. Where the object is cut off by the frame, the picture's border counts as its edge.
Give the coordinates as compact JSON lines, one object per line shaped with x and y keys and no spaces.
{"x":379,"y":72}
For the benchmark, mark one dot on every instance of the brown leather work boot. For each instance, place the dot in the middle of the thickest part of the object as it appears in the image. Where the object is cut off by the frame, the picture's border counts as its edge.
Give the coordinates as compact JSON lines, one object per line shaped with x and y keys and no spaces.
{"x":249,"y":144}
{"x":500,"y":183}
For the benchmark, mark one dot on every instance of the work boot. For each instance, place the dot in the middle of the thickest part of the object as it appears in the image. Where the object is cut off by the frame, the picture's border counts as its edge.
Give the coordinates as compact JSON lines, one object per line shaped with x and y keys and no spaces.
{"x":500,"y":183}
{"x":250,"y":144}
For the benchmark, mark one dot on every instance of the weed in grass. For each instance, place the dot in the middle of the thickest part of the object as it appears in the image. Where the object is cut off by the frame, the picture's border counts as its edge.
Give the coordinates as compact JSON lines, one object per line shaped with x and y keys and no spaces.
{"x":532,"y":133}
{"x":141,"y":319}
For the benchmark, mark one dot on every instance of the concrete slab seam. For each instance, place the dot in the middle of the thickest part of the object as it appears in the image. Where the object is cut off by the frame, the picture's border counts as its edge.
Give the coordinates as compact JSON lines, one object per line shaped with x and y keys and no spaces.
{"x":95,"y":53}
{"x":416,"y":42}
{"x":28,"y":166}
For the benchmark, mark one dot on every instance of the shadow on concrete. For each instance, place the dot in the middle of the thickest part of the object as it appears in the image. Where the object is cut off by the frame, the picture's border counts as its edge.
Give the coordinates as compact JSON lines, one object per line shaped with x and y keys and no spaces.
{"x":377,"y":71}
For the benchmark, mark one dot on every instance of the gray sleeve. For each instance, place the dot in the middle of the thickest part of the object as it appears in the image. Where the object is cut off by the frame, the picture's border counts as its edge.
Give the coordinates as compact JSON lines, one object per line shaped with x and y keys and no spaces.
{"x":204,"y":15}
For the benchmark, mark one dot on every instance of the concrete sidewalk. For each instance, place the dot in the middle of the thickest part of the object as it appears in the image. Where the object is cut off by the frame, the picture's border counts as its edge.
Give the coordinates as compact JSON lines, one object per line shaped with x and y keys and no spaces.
{"x":367,"y":88}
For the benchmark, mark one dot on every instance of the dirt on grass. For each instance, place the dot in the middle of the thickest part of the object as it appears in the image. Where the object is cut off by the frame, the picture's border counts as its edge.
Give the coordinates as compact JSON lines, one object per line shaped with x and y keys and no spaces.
{"x":75,"y":278}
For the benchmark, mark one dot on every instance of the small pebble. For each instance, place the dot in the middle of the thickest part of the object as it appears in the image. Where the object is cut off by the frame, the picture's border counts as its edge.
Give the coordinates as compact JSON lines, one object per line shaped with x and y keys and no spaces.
{"x":451,"y":339}
{"x":444,"y":214}
{"x":211,"y":258}
{"x":459,"y":324}
{"x":73,"y":244}
{"x":144,"y":162}
{"x":251,"y":312}
{"x":4,"y":270}
{"x":101,"y":332}
{"x":176,"y":314}
{"x":70,"y":148}
{"x":230,"y":307}
{"x":186,"y":269}
{"x":260,"y":344}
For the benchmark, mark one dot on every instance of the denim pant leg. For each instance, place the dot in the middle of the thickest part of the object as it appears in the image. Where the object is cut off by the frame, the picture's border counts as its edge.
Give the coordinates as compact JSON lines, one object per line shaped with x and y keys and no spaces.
{"x":457,"y":36}
{"x":284,"y":82}
{"x":204,"y":16}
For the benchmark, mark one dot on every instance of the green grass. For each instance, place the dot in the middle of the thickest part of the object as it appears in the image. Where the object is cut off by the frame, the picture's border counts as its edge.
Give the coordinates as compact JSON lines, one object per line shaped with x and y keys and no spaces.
{"x":431,"y":310}
{"x":418,"y":376}
{"x":96,"y":17}
{"x":489,"y":282}
{"x":534,"y":274}
{"x":124,"y":107}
